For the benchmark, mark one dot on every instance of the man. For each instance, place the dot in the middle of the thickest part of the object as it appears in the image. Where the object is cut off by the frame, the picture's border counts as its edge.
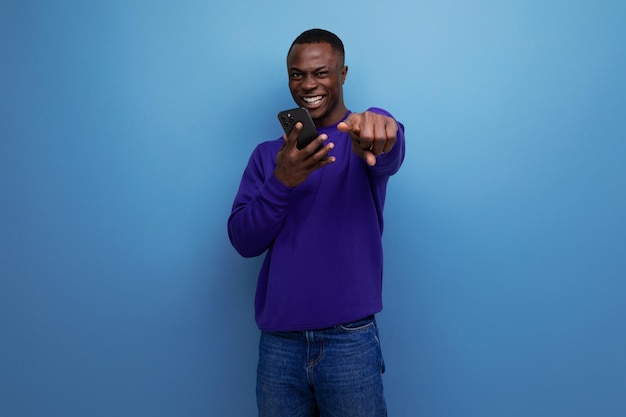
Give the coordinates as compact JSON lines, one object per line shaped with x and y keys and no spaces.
{"x":318,"y":215}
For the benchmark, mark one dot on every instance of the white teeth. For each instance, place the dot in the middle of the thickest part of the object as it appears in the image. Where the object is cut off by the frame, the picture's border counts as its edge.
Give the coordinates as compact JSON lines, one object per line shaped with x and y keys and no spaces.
{"x":312,"y":100}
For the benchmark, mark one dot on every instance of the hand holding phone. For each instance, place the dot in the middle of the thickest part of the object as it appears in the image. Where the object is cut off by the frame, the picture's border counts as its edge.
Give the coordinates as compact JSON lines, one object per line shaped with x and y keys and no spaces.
{"x":288,"y":118}
{"x":293,"y":167}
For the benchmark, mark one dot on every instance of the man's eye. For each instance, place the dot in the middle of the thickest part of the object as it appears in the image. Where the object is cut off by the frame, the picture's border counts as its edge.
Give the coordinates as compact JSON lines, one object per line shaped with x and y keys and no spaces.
{"x":322,"y":74}
{"x":296,"y":75}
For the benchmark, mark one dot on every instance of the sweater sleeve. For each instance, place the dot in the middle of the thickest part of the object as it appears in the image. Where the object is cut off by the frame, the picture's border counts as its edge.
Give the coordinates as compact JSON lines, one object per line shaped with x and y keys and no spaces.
{"x":259,"y":208}
{"x":390,"y":162}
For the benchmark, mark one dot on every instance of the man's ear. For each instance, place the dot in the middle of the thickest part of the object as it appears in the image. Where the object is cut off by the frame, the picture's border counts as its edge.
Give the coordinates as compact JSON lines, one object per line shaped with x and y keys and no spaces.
{"x":344,"y":74}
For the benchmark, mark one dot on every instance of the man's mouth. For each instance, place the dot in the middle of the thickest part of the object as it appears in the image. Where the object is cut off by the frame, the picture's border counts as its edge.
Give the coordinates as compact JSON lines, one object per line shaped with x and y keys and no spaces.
{"x":313,"y":101}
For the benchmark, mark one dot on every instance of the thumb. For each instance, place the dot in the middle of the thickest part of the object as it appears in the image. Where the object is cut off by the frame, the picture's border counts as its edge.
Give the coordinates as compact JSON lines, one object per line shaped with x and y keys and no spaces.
{"x":365,"y":154}
{"x":369,"y":158}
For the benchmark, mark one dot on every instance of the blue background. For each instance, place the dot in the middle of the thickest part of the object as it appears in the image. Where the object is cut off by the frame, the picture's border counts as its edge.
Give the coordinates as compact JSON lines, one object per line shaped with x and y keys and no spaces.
{"x":125,"y":127}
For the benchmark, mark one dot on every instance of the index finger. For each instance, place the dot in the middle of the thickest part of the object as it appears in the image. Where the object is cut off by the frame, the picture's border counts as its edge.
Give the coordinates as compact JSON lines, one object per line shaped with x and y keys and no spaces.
{"x":352,"y":127}
{"x":291,"y":139}
{"x":350,"y":124}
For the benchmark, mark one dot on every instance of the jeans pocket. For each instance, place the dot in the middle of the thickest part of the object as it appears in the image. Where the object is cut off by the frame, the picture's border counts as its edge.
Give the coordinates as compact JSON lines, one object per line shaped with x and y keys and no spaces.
{"x":358,"y":325}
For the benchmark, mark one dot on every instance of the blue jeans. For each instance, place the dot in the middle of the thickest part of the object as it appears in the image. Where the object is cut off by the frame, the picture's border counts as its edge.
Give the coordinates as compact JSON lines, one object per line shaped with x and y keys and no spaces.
{"x":335,"y":372}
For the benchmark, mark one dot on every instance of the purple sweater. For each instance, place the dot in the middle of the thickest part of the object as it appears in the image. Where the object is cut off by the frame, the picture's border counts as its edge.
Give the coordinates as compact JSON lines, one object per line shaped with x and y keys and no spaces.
{"x":324,"y":261}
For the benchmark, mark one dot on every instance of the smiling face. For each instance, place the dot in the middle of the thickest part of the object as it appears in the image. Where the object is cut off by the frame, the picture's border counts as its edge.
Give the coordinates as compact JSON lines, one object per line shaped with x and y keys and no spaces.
{"x":316,"y":77}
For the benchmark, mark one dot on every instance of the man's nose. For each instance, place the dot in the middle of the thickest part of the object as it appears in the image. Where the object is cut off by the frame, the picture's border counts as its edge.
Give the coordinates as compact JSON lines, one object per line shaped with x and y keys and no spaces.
{"x":309,"y":82}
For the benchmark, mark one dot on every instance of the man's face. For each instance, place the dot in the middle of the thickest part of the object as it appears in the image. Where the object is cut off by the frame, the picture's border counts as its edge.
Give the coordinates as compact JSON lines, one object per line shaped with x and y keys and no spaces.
{"x":316,"y":76}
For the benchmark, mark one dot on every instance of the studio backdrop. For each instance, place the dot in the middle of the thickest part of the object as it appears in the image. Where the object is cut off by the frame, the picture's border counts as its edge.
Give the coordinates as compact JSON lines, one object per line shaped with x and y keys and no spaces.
{"x":125,"y":127}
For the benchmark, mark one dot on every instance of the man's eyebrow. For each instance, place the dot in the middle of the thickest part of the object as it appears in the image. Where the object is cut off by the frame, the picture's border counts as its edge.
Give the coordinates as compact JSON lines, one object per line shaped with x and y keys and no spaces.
{"x":322,"y":68}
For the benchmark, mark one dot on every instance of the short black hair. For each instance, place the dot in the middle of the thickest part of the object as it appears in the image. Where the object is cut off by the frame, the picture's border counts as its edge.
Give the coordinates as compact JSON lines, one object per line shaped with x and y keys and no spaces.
{"x":320,"y":36}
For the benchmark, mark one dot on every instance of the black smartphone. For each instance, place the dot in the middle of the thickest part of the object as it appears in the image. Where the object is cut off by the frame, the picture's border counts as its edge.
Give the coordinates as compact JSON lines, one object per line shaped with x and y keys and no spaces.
{"x":288,"y":119}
